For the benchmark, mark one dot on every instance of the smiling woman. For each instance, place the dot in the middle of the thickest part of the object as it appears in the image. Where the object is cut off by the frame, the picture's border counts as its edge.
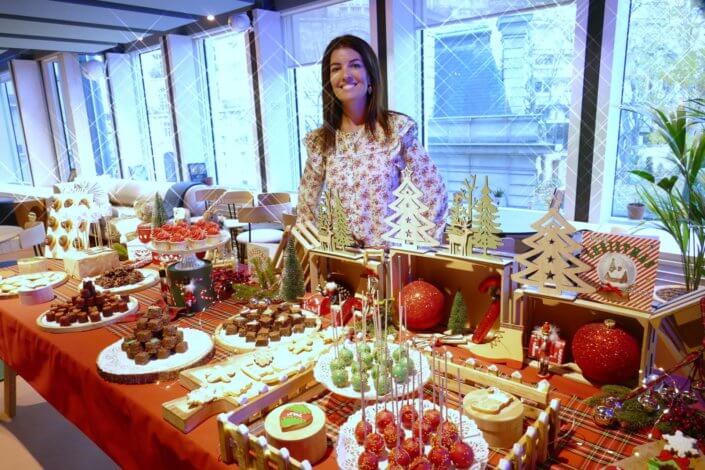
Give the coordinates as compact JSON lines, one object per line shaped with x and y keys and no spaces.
{"x":361,"y":148}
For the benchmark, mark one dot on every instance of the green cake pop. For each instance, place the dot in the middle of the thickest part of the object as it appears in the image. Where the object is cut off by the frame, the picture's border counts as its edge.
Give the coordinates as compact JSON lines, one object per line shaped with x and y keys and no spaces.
{"x":358,"y":381}
{"x":346,"y":356}
{"x":337,"y":364}
{"x":340,"y":378}
{"x":400,"y":372}
{"x":382,"y":384}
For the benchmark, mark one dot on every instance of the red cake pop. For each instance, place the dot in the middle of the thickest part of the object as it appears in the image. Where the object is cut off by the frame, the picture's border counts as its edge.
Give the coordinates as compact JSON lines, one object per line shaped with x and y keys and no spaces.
{"x":367,"y":461}
{"x":440,"y":458}
{"x":449,"y":429}
{"x":383,"y":419}
{"x":374,"y":443}
{"x":420,"y":463}
{"x":408,"y":416}
{"x":426,"y":430}
{"x":390,"y":435}
{"x":462,"y":455}
{"x":399,"y":456}
{"x":395,"y":466}
{"x":411,"y":446}
{"x":362,"y":429}
{"x":433,"y":417}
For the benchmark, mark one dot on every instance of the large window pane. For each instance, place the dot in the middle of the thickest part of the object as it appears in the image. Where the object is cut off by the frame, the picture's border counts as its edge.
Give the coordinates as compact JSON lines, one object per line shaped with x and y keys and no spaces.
{"x":496,"y":93}
{"x":232,"y":111}
{"x":14,"y":164}
{"x":100,"y":116}
{"x":159,"y":118}
{"x":660,"y":69}
{"x":57,"y":111}
{"x":309,"y":33}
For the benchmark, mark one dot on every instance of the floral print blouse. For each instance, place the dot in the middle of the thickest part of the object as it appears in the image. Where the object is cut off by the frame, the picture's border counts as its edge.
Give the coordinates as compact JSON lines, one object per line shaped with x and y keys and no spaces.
{"x":364,"y":171}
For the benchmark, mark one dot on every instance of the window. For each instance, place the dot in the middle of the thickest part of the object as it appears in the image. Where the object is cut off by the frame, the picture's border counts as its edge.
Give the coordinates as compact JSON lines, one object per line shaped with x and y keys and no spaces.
{"x":660,"y":70}
{"x":14,"y":164}
{"x":231,"y":110}
{"x":100,"y":116}
{"x":159,"y":124}
{"x":57,"y":113}
{"x":307,"y":35}
{"x":495,"y":95}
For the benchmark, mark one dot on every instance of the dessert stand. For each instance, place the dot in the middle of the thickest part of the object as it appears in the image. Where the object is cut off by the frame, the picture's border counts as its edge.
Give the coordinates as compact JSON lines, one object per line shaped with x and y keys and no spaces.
{"x":190,"y":274}
{"x":54,"y":327}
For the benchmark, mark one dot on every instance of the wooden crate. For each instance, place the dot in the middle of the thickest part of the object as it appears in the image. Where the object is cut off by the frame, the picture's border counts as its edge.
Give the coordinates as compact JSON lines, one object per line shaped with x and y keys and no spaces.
{"x":352,"y":266}
{"x":568,"y":315}
{"x":450,"y":273}
{"x":538,"y":441}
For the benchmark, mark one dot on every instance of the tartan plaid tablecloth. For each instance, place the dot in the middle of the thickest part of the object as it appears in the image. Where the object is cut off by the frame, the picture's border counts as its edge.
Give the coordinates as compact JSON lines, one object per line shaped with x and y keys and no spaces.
{"x":582,"y":444}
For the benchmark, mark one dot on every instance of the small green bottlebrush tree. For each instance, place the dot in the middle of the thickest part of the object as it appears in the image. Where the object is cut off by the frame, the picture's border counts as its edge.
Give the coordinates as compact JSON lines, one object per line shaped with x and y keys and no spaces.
{"x":292,"y":281}
{"x":159,"y":216}
{"x":458,"y":315}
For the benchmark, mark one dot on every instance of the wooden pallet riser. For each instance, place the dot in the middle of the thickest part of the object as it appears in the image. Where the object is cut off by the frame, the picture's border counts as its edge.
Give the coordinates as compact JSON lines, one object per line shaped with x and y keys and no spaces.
{"x":537,"y":443}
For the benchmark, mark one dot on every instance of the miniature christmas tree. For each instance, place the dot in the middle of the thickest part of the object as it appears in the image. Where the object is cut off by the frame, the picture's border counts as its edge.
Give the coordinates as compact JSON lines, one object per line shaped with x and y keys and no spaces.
{"x":341,"y":230}
{"x":292,"y":281}
{"x":460,"y":231}
{"x":409,"y":226}
{"x":551,"y":265}
{"x":458,"y":315}
{"x":159,"y":216}
{"x":486,"y":229}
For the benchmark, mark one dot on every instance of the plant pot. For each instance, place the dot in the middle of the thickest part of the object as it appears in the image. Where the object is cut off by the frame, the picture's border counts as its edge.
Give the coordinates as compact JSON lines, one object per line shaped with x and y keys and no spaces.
{"x":664,"y":294}
{"x":635,"y":210}
{"x":144,"y":232}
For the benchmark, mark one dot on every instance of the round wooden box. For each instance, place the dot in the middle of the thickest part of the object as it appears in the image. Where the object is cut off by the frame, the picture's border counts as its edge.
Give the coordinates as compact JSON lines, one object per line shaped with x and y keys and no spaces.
{"x":308,"y":443}
{"x":500,"y":429}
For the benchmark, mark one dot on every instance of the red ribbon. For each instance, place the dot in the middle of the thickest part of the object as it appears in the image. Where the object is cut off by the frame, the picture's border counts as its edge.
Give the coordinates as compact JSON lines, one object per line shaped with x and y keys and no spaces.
{"x":609,"y":288}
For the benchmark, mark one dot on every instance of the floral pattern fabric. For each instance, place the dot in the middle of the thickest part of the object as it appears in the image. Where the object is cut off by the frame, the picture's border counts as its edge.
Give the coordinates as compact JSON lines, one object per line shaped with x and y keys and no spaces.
{"x":364,"y":170}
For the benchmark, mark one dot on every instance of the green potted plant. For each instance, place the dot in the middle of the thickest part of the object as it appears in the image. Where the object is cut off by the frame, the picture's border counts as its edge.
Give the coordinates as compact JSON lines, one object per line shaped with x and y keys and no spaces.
{"x":677,"y":202}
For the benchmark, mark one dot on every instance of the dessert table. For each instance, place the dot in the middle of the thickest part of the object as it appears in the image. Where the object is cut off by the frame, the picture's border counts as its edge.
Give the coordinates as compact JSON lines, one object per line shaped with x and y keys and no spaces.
{"x":126,"y":420}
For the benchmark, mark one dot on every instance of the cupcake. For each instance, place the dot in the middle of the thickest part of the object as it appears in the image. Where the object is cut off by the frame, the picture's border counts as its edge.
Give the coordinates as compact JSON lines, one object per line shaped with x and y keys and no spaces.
{"x":177,"y":241}
{"x":168,"y":228}
{"x":197,"y":238}
{"x":213,"y":234}
{"x":160,"y":239}
{"x":181,"y":224}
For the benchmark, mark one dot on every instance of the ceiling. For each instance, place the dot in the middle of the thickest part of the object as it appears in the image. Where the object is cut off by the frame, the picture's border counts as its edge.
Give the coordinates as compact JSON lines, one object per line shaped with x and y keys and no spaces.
{"x":90,"y":26}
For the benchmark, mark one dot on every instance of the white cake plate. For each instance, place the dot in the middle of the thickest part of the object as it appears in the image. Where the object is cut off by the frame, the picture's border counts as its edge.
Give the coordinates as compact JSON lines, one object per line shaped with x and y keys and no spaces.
{"x":151,"y":277}
{"x":53,"y":327}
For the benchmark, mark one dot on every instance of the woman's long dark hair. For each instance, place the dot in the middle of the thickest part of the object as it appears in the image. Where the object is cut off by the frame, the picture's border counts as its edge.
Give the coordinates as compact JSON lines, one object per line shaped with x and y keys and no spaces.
{"x":375,"y":111}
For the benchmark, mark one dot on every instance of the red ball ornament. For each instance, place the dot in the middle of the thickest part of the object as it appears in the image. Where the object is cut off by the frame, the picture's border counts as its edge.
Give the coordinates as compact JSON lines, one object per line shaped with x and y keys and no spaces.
{"x":605,"y":353}
{"x":423,"y":305}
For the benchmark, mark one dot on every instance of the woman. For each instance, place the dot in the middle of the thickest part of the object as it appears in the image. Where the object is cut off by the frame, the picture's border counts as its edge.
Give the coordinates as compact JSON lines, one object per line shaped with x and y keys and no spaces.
{"x":362,"y":147}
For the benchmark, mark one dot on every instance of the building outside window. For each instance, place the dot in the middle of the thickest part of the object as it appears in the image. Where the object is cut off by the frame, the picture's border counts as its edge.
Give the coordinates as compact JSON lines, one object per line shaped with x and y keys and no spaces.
{"x":307,"y":33}
{"x":14,"y":163}
{"x":159,"y":120}
{"x":496,"y":94}
{"x":231,"y":110}
{"x":100,"y":116}
{"x":663,"y":67}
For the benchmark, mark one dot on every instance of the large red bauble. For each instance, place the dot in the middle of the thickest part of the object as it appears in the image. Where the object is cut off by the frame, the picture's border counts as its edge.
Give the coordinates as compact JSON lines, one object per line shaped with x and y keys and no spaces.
{"x":605,"y":353}
{"x":423,"y":305}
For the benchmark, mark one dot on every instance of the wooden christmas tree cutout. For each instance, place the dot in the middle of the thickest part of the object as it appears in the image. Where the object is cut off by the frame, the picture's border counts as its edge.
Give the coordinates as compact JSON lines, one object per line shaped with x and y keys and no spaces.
{"x":325,"y":221}
{"x":550,"y":265}
{"x":409,"y":227}
{"x":485,"y":226}
{"x":460,"y":229}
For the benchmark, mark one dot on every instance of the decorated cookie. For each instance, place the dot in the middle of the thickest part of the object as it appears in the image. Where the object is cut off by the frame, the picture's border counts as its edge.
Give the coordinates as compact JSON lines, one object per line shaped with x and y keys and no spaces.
{"x":295,"y":417}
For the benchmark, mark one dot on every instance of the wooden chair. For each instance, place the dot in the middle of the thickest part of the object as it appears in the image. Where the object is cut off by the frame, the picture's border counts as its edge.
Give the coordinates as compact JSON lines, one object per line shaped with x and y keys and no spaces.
{"x":268,"y":199}
{"x":272,"y":214}
{"x":209,"y":195}
{"x":27,"y":243}
{"x":233,"y":201}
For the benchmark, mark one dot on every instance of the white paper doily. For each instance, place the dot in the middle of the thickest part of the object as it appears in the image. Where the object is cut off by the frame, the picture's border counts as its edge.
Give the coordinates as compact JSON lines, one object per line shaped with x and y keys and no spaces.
{"x":113,"y":360}
{"x":237,"y":343}
{"x":347,"y":449}
{"x":151,"y":277}
{"x":322,"y":373}
{"x":54,"y":327}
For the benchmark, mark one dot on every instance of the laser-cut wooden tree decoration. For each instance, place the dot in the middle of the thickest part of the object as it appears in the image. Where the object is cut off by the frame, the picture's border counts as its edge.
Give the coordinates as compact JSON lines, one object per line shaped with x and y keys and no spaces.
{"x":325,"y":221}
{"x":484,"y":225}
{"x":341,"y":235}
{"x":409,"y":227}
{"x":460,"y":241}
{"x":550,"y":265}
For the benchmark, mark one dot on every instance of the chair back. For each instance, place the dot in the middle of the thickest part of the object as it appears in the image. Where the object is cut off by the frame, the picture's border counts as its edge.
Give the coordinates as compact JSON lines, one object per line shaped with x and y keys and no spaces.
{"x":262,"y":214}
{"x":268,"y":199}
{"x":234,"y":200}
{"x":208,"y":195}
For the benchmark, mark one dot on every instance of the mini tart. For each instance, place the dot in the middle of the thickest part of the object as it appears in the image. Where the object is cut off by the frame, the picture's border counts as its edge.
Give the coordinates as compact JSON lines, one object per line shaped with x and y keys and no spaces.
{"x":177,"y":242}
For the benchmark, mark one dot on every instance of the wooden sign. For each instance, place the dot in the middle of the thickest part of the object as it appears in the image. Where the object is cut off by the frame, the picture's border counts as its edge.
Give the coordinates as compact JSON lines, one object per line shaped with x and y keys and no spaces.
{"x":622,"y":269}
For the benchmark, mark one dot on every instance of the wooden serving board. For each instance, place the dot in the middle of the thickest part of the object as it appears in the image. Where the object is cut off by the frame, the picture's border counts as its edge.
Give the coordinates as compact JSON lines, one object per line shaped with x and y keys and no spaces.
{"x":259,"y":395}
{"x":114,"y":365}
{"x":53,"y":327}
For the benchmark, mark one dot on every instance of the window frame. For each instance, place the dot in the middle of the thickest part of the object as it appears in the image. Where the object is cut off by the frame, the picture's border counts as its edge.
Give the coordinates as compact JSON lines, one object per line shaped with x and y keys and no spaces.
{"x":5,"y":78}
{"x":55,"y":92}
